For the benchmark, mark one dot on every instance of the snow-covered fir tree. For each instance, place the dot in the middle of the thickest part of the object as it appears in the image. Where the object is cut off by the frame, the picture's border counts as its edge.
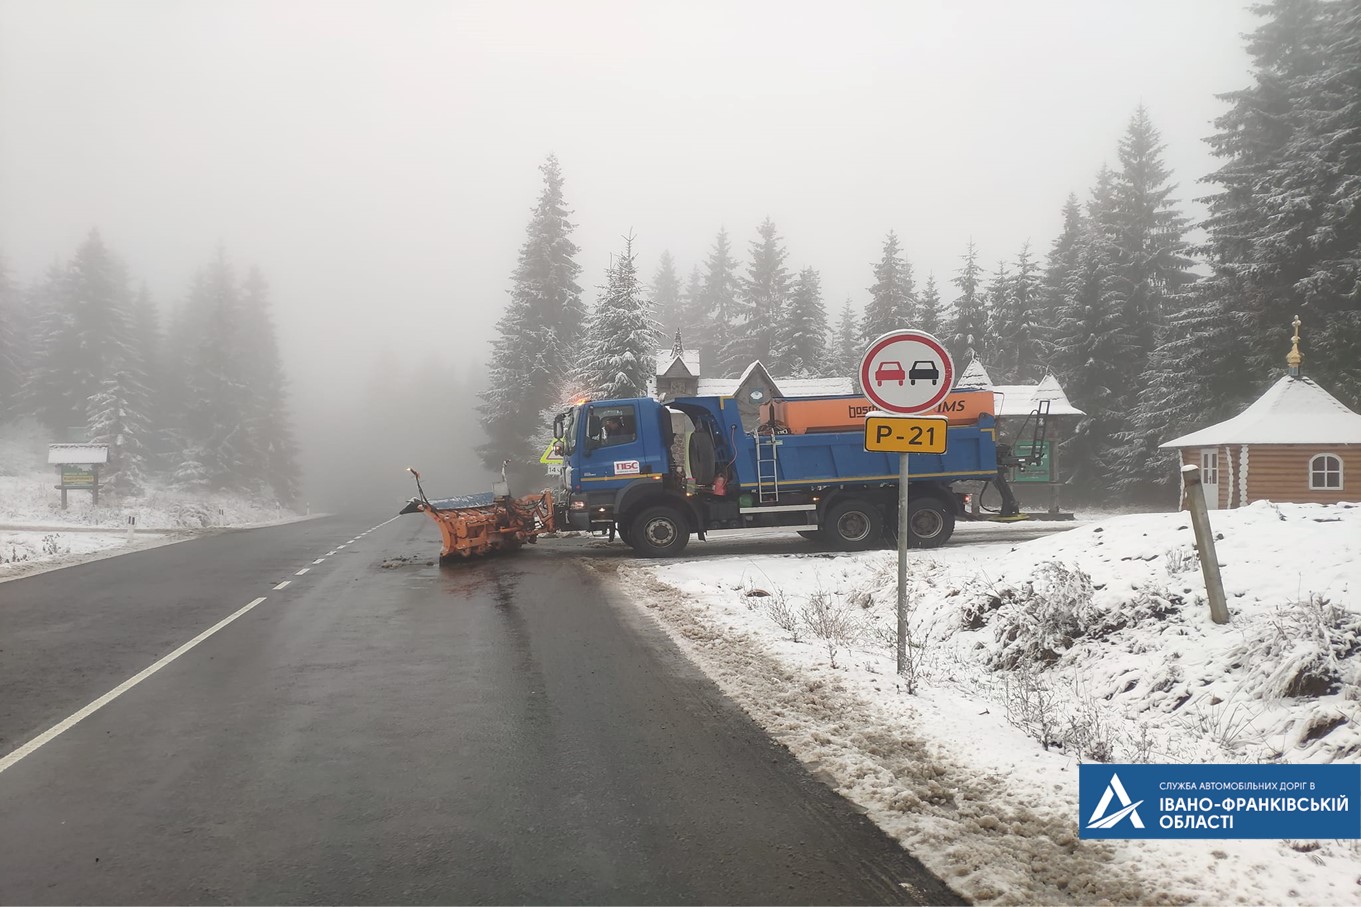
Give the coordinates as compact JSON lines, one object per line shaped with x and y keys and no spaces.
{"x":667,"y":297}
{"x":1150,"y":249}
{"x":929,"y":316}
{"x":1092,"y":349}
{"x":892,"y":296}
{"x":1059,"y":265}
{"x":275,"y":465}
{"x":718,"y":313}
{"x":114,"y":418}
{"x":1021,"y":333}
{"x":692,"y":303}
{"x":847,"y":347}
{"x":968,"y":329}
{"x":1283,"y":230}
{"x":997,"y":303}
{"x":218,"y":402}
{"x":82,"y":332}
{"x":620,"y":347}
{"x":801,"y":345}
{"x":762,"y":304}
{"x":149,"y":349}
{"x":1150,"y":231}
{"x":536,"y":338}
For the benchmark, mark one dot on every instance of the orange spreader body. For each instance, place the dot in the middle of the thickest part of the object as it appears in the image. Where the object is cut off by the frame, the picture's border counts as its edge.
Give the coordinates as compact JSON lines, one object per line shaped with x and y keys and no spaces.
{"x":803,"y":416}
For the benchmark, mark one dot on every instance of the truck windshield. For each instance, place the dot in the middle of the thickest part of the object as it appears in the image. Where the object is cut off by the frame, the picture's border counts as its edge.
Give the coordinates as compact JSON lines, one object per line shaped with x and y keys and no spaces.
{"x":569,"y":431}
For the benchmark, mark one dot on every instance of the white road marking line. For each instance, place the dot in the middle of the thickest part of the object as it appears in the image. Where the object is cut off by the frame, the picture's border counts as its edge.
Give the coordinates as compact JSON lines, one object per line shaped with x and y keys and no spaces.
{"x":319,"y":560}
{"x":331,"y":553}
{"x":302,"y":571}
{"x":62,"y":727}
{"x":281,"y":585}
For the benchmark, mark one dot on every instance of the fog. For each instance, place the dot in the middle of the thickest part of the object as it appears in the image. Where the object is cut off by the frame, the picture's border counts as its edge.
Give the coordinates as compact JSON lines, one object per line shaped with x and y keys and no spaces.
{"x":378,"y":161}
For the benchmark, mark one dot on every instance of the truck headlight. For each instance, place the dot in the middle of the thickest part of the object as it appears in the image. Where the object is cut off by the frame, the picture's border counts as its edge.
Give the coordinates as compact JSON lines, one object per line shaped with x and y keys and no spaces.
{"x":578,"y":505}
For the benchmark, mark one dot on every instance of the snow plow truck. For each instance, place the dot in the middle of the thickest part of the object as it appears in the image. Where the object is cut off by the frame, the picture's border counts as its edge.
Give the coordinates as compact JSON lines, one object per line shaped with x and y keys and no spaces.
{"x":658,"y":473}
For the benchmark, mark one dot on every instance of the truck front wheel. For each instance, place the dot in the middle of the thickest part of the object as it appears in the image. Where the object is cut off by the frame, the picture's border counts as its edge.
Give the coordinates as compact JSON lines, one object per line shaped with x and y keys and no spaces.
{"x":930,"y":522}
{"x":659,"y":532}
{"x":853,"y":525}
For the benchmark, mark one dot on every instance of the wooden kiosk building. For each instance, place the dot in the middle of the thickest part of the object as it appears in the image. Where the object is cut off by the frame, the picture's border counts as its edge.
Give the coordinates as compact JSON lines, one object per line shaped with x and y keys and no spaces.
{"x":1297,"y":443}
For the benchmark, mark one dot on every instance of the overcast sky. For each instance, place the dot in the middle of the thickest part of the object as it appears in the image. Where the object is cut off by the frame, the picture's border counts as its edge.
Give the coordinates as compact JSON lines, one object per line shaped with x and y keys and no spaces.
{"x":378,"y":160}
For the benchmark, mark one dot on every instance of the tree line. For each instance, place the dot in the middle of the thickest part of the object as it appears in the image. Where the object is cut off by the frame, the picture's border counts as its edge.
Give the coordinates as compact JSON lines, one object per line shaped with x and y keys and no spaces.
{"x":1149,"y":334}
{"x":200,"y":405}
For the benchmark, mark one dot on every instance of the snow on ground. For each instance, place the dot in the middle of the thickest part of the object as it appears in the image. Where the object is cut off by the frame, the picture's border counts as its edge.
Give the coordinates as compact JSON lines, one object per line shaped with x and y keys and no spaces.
{"x":1097,"y":642}
{"x":36,"y":534}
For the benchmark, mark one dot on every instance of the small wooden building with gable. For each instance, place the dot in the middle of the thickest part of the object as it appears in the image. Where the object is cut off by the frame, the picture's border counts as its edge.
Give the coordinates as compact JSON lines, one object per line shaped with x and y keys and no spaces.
{"x":1296,"y":443}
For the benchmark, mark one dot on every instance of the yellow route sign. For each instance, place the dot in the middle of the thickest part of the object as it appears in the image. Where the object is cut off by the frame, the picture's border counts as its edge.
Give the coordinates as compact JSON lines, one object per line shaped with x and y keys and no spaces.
{"x":906,"y":434}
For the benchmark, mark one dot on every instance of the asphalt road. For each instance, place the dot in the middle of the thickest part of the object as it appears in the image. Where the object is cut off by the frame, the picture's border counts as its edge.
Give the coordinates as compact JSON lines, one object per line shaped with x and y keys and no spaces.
{"x":382,"y":730}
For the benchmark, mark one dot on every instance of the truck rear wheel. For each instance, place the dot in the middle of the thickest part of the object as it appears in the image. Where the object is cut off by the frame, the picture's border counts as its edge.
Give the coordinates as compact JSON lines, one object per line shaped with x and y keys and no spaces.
{"x":660,"y":531}
{"x":853,"y":525}
{"x":930,"y":522}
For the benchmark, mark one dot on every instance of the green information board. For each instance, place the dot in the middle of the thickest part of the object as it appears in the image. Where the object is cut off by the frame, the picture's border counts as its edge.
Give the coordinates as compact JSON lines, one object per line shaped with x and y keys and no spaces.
{"x":1042,"y":471}
{"x":73,"y":476}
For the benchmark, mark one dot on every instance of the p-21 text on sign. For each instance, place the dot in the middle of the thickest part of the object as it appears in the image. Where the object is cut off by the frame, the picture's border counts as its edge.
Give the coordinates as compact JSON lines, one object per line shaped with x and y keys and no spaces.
{"x":906,"y":434}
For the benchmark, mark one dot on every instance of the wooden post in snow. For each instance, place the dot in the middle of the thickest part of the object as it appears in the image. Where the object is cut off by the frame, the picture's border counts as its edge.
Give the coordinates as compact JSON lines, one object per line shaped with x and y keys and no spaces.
{"x":1205,"y":544}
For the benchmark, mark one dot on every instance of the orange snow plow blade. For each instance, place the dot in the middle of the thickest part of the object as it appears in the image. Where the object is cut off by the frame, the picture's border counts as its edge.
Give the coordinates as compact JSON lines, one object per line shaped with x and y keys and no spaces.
{"x":503,"y":525}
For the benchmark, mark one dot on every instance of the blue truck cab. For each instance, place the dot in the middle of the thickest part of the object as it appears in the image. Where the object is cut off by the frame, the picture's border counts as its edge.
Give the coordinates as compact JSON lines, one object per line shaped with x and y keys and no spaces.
{"x":656,"y":473}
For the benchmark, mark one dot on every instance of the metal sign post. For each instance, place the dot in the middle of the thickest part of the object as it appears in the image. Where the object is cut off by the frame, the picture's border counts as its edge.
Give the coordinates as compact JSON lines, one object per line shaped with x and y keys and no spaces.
{"x":905,"y":372}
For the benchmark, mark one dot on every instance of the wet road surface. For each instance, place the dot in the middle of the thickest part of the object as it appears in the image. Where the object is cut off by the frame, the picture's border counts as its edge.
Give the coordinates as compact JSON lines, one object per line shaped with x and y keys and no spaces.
{"x":381,"y":730}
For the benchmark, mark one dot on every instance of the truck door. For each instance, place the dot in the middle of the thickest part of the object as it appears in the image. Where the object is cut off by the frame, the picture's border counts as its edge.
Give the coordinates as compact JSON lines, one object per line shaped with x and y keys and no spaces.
{"x":615,"y":446}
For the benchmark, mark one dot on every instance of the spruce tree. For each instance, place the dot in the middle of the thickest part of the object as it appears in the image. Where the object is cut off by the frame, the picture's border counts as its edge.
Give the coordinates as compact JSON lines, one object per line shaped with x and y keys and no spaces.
{"x":149,"y":349}
{"x":115,"y":418}
{"x":272,"y":446}
{"x":762,"y":303}
{"x":620,"y":346}
{"x":221,"y":453}
{"x":1283,"y":230}
{"x":997,"y":303}
{"x":929,"y":316}
{"x":87,"y":373}
{"x":537,"y":338}
{"x":848,"y":348}
{"x":1093,"y":346}
{"x":967,"y":340}
{"x":666,"y":296}
{"x":718,"y":312}
{"x":891,"y":297}
{"x":1061,"y":263}
{"x":802,"y":341}
{"x":1022,"y":332}
{"x":1148,"y":234}
{"x":692,"y":308}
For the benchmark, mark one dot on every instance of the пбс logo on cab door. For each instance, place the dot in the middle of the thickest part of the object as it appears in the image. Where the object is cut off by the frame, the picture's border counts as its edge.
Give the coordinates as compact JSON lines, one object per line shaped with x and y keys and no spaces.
{"x":627,"y":467}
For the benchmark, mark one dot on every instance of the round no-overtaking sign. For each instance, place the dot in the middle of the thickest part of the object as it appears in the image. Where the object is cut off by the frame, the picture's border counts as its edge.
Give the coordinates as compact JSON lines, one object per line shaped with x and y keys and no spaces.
{"x":906,"y":371}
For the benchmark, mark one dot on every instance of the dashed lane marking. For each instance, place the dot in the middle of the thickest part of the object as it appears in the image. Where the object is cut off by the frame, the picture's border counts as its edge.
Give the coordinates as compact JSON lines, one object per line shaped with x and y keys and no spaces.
{"x":281,"y":585}
{"x":65,"y":725}
{"x":319,"y":560}
{"x":302,"y":571}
